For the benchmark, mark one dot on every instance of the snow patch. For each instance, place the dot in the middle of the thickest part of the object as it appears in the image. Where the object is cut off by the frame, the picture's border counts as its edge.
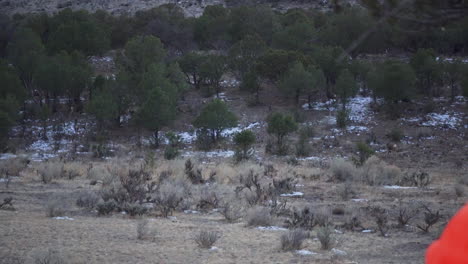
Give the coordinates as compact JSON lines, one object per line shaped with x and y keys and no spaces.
{"x":191,"y":212}
{"x":63,"y":218}
{"x":395,"y":187}
{"x":305,"y":252}
{"x":293,"y":194}
{"x":359,"y":200}
{"x":366,"y":231}
{"x":339,"y":252}
{"x":272,"y":228}
{"x":5,"y":156}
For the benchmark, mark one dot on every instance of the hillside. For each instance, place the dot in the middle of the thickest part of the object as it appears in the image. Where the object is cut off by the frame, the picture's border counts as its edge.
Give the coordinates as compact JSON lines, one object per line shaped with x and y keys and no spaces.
{"x":194,"y":133}
{"x":116,"y":7}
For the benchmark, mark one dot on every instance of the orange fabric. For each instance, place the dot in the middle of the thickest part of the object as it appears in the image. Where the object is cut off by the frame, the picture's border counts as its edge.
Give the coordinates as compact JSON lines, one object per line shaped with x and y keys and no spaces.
{"x":452,"y":246}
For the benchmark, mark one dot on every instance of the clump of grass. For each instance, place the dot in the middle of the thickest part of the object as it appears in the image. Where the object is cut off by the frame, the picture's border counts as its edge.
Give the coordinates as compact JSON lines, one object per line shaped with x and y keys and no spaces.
{"x":324,"y":234}
{"x":48,"y":257}
{"x":293,"y":239}
{"x":206,"y":239}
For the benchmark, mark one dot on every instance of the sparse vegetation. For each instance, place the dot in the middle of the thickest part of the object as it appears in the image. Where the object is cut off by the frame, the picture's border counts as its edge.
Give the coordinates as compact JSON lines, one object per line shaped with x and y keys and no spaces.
{"x":85,"y":98}
{"x":206,"y":239}
{"x":431,"y":217}
{"x":142,"y":229}
{"x":259,"y":216}
{"x":324,"y":234}
{"x":293,"y":239}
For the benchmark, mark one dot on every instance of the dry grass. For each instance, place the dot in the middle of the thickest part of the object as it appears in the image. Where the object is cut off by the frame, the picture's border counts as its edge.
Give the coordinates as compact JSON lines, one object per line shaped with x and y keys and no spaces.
{"x":324,"y":235}
{"x":342,"y":170}
{"x":50,"y":171}
{"x":293,"y":240}
{"x":206,"y":239}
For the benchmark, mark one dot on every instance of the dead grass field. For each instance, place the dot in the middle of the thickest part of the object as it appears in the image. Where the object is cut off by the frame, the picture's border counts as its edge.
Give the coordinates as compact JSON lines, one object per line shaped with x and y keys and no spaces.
{"x":89,"y":238}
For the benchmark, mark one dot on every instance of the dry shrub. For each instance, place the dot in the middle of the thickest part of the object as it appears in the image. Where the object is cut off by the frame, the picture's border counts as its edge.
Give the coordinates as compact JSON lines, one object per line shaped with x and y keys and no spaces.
{"x":48,"y":256}
{"x":73,"y":170}
{"x":405,"y":214}
{"x":51,"y":170}
{"x":134,"y":209}
{"x":209,"y":198}
{"x":342,"y":170}
{"x":87,"y":199}
{"x":431,"y":217}
{"x":293,"y":239}
{"x":324,"y":235}
{"x":142,"y":229}
{"x":169,"y":194}
{"x":381,"y":219}
{"x":106,"y":207}
{"x":302,"y":218}
{"x":99,"y":173}
{"x":56,"y":206}
{"x":346,"y":190}
{"x":13,"y":167}
{"x":232,"y":211}
{"x":377,"y":172}
{"x":206,"y":239}
{"x":259,"y":216}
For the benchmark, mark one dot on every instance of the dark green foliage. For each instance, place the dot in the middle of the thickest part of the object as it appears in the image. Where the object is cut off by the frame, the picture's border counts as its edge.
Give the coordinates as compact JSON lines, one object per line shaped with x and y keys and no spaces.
{"x":346,"y":87}
{"x":348,"y":27}
{"x":427,"y":69}
{"x":77,"y":30}
{"x":190,"y":65}
{"x":274,"y":63}
{"x":212,"y":69}
{"x":302,"y":145}
{"x":211,"y":27}
{"x":244,"y":54}
{"x":296,"y":81}
{"x":297,"y":32}
{"x":251,"y":83}
{"x":327,"y":60}
{"x":140,"y":53}
{"x":394,"y":81}
{"x":214,"y":118}
{"x":364,"y":151}
{"x":281,"y":125}
{"x":244,"y":140}
{"x":453,"y":74}
{"x":103,"y":107}
{"x":395,"y":135}
{"x":24,"y":52}
{"x":156,"y":111}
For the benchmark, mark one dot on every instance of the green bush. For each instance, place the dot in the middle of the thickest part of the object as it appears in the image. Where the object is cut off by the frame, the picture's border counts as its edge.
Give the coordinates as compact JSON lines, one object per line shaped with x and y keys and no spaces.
{"x":365,"y":151}
{"x":171,"y":153}
{"x":244,"y":140}
{"x":395,"y":135}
